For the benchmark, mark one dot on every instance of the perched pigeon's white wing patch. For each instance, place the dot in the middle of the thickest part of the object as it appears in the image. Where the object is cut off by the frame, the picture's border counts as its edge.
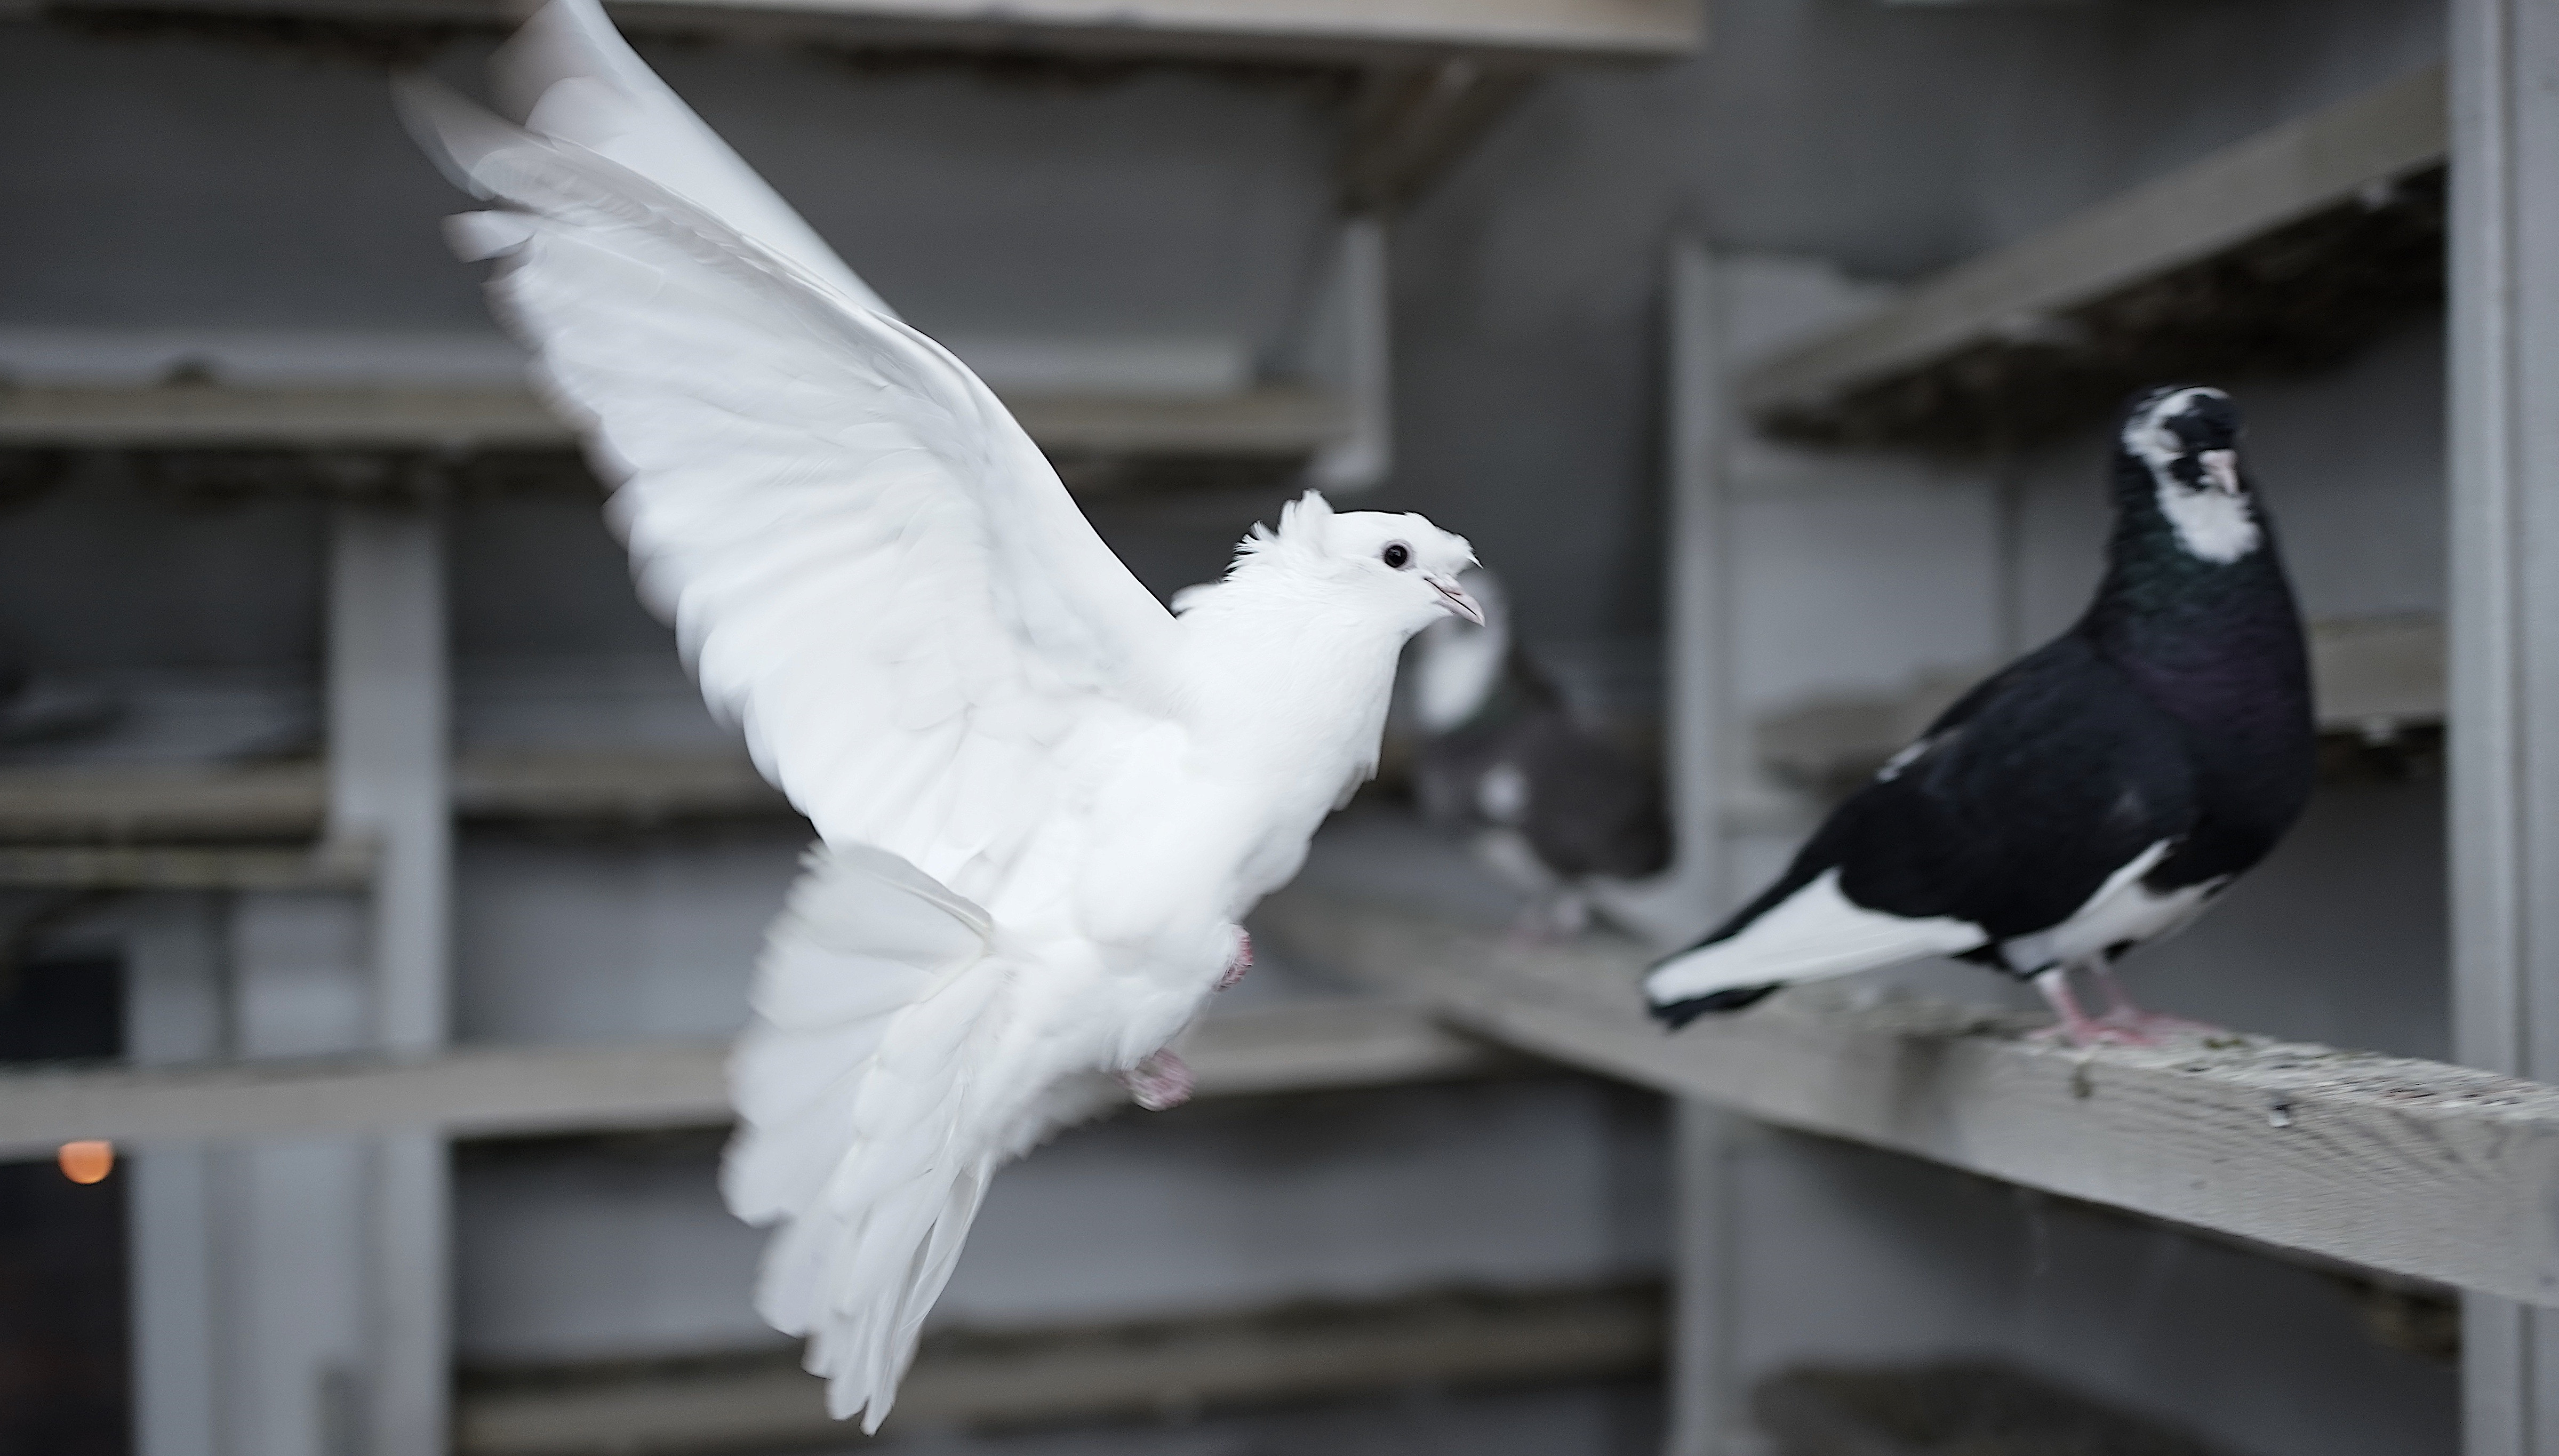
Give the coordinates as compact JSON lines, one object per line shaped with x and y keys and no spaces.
{"x":1814,"y":932}
{"x":2123,"y":909}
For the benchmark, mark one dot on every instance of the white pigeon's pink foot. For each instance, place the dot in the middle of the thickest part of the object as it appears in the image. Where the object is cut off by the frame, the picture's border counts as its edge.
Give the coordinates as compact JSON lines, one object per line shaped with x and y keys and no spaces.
{"x":1163,"y":1081}
{"x":1241,"y":962}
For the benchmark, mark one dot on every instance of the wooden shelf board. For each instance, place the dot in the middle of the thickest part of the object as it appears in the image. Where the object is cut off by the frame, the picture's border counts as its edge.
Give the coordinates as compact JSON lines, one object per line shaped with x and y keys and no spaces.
{"x":1052,"y":1374}
{"x":168,"y":806}
{"x":1269,"y":421}
{"x":2281,"y":251}
{"x":2438,"y":1172}
{"x":1336,"y":31}
{"x":1320,"y":1046}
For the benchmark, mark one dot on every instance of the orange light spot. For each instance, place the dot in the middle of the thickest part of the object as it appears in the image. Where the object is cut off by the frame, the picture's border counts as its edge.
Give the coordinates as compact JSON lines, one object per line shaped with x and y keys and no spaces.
{"x":87,"y":1162}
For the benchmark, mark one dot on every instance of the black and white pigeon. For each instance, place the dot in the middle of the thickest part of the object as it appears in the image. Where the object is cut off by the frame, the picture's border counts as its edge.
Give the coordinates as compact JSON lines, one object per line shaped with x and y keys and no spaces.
{"x":1550,"y":805}
{"x":2094,"y":795}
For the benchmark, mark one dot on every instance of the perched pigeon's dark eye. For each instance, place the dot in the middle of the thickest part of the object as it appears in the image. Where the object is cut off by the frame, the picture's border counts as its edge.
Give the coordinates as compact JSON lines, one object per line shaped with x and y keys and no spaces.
{"x":1397,"y":555}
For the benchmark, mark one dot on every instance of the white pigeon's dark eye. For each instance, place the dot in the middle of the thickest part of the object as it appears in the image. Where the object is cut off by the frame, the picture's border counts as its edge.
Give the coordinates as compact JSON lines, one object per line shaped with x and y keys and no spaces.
{"x":1397,"y":554}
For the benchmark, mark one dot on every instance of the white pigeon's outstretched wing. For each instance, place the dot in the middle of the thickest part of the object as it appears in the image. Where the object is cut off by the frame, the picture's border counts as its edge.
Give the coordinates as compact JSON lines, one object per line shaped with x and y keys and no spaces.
{"x":873,"y":568}
{"x":573,"y":78}
{"x":870,"y":564}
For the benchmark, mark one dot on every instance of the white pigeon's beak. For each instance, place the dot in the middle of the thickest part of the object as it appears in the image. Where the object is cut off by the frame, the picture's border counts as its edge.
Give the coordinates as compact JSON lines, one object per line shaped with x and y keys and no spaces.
{"x":2222,"y":469}
{"x":1459,"y":603}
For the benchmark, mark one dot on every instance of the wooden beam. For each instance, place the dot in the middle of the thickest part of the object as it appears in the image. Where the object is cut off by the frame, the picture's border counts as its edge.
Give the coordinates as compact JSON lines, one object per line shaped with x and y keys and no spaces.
{"x":1409,"y":124}
{"x":2028,"y":335}
{"x":1243,"y":30}
{"x":2502,"y":786}
{"x":2439,"y":1172}
{"x":388,"y":772}
{"x":1273,"y":421}
{"x":168,"y":806}
{"x":324,"y":866}
{"x":1139,"y":1370}
{"x":481,"y":1091}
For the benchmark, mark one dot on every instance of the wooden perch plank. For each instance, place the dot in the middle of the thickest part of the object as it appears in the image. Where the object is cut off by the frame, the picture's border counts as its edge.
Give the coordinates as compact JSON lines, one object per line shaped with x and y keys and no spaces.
{"x":2439,"y":1172}
{"x":519,"y":1090}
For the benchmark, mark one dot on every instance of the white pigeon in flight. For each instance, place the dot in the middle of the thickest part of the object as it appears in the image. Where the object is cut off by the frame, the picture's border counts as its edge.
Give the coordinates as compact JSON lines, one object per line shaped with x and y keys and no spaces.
{"x":1046,"y":803}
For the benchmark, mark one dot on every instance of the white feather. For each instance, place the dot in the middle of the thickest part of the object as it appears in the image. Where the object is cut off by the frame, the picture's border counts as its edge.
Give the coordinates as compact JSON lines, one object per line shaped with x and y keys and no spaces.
{"x":1814,"y":932}
{"x":2122,"y":911}
{"x":1044,"y":801}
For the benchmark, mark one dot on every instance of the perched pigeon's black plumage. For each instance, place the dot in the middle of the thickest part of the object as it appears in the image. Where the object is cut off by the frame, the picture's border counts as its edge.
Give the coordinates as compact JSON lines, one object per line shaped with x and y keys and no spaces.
{"x":1501,"y":756}
{"x":2095,"y":794}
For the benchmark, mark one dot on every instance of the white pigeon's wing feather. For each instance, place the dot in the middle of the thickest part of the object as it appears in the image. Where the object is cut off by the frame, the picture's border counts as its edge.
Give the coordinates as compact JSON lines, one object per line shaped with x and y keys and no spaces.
{"x":869,"y":563}
{"x":572,"y":78}
{"x":1814,"y":932}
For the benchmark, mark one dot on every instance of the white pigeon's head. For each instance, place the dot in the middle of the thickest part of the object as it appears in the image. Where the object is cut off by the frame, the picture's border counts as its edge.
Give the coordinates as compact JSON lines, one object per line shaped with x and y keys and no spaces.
{"x":1399,"y":571}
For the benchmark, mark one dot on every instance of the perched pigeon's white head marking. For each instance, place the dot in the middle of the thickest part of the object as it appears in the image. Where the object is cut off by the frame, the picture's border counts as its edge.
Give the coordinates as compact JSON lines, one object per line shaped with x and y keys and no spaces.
{"x":2189,"y":439}
{"x":1397,"y":571}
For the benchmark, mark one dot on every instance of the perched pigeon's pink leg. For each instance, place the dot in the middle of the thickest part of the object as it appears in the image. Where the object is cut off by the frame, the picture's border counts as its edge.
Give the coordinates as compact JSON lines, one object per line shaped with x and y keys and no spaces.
{"x":2075,"y":1026}
{"x":1160,"y":1082}
{"x":1241,"y":962}
{"x":2122,"y":1014}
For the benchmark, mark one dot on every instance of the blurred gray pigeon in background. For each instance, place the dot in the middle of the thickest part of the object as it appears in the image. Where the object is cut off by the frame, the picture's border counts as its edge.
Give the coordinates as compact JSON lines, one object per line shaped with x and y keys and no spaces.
{"x":1549,"y":802}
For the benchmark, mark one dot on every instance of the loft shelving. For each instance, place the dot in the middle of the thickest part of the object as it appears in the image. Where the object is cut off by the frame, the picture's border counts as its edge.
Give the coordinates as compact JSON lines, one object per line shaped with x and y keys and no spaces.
{"x":1340,"y":30}
{"x":486,"y":1092}
{"x":2281,"y":250}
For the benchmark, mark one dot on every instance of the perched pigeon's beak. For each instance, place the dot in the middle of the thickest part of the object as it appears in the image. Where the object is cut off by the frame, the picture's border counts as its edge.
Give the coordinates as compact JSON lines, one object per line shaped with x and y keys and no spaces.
{"x":1458,"y":604}
{"x":2221,"y":470}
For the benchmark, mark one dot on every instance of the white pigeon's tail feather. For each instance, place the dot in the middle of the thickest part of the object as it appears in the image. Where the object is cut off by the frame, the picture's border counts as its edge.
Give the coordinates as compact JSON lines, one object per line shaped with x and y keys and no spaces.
{"x":1816,"y":932}
{"x":871,"y":1111}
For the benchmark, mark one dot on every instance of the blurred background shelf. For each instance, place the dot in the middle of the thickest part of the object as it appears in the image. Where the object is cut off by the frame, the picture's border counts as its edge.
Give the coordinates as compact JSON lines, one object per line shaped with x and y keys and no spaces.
{"x":550,"y":1091}
{"x":1012,"y":1379}
{"x":1271,"y":421}
{"x":157,"y":805}
{"x":1299,"y":30}
{"x":2288,"y":250}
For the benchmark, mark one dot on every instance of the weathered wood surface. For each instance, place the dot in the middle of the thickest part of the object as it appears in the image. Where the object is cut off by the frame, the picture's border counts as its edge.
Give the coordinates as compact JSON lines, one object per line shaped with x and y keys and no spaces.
{"x":1039,"y":1376}
{"x":2439,"y":1172}
{"x":486,"y":1091}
